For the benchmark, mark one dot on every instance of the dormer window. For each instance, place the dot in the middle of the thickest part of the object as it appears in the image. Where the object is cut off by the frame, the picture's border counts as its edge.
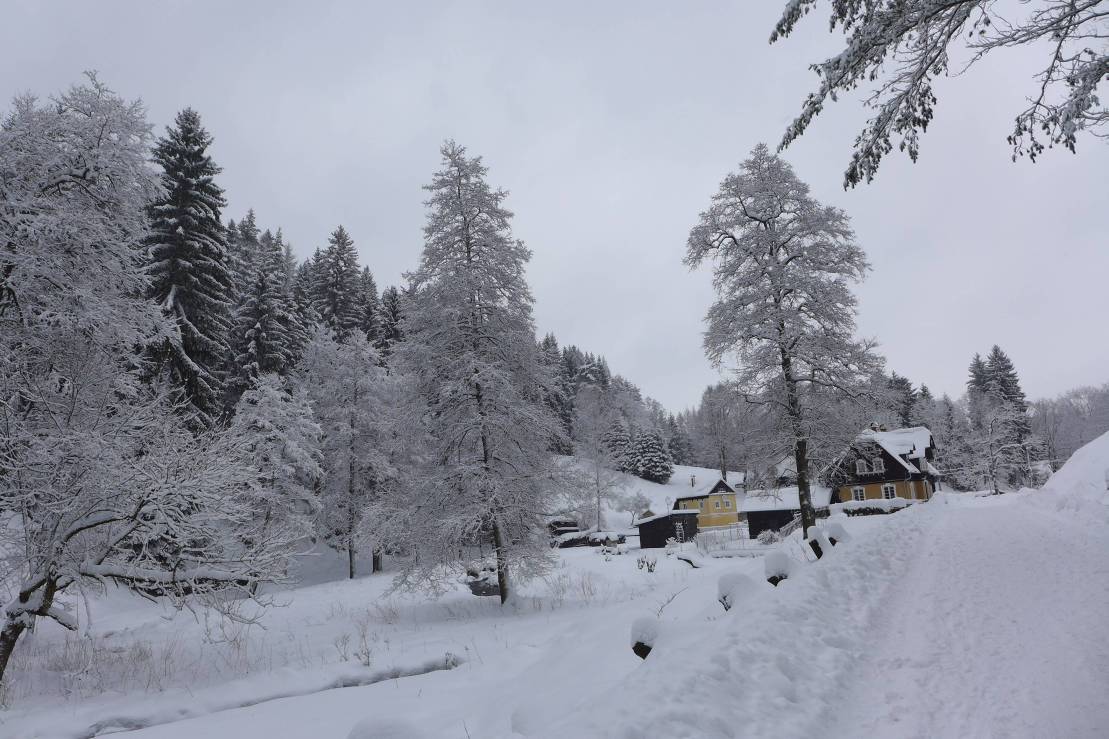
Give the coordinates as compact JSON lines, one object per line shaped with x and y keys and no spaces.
{"x":879,"y":465}
{"x":861,"y":467}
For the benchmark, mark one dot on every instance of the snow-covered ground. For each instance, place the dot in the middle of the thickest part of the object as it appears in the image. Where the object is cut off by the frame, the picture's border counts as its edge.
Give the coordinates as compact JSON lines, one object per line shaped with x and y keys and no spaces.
{"x":963,"y":617}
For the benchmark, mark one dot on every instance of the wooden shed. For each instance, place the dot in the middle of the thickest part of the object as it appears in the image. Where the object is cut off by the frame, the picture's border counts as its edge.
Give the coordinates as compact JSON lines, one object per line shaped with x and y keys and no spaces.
{"x":654,"y":531}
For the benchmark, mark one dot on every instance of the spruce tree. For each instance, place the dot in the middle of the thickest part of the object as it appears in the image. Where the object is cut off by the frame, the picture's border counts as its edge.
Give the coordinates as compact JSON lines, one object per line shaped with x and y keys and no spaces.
{"x":370,"y":305}
{"x":268,"y":334}
{"x":188,"y":267}
{"x":903,"y":398}
{"x":617,"y":442}
{"x":337,"y":285}
{"x":389,"y":322}
{"x":679,"y":445}
{"x":1001,"y":374}
{"x":652,"y":461}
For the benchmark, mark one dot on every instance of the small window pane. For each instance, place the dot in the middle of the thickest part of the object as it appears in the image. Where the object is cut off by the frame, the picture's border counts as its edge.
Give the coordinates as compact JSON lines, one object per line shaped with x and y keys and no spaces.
{"x":858,"y":493}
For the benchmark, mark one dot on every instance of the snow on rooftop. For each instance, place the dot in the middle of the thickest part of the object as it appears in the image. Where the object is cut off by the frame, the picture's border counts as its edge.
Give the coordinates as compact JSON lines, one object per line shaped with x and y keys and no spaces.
{"x":911,"y":441}
{"x":782,"y":499}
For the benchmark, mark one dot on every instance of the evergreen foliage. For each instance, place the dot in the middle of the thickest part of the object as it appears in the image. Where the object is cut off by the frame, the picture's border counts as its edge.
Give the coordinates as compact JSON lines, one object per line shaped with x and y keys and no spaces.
{"x":189,"y":268}
{"x":650,"y":458}
{"x":336,"y":285}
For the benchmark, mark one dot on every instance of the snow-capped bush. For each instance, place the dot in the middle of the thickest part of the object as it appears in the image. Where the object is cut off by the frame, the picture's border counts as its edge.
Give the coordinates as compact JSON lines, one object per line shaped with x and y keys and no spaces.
{"x":767,"y":537}
{"x":732,"y":588}
{"x":818,"y":542}
{"x":644,"y":635}
{"x":778,"y":566}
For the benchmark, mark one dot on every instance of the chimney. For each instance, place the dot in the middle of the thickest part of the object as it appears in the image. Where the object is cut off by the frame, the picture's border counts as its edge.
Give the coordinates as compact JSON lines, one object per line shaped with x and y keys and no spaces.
{"x":693,"y":481}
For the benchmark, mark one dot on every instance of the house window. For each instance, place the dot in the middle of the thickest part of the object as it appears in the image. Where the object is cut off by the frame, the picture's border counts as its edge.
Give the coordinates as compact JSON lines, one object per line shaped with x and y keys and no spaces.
{"x":727,"y":504}
{"x":889,"y":492}
{"x":858,"y":493}
{"x":879,"y":465}
{"x":861,"y":467}
{"x":701,"y":505}
{"x":718,"y":505}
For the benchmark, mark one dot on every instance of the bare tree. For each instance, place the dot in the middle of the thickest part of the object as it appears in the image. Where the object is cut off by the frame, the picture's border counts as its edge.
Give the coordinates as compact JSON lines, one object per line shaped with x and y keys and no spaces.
{"x":782,"y":268}
{"x":906,"y":44}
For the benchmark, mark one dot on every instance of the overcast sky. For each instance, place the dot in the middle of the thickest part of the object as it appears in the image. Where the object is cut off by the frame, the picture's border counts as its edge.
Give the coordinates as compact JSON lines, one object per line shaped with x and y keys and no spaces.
{"x":612,"y":124}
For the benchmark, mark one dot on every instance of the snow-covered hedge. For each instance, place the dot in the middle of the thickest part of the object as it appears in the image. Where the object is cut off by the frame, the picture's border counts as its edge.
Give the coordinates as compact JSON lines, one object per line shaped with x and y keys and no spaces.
{"x":734,"y":587}
{"x":870,"y":507}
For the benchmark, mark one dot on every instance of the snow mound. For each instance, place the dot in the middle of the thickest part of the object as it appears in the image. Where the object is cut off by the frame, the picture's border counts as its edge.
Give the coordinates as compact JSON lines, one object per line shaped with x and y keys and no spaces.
{"x":645,"y":630}
{"x":779,"y":564}
{"x":733,"y":588}
{"x":377,"y":728}
{"x":1086,"y":473}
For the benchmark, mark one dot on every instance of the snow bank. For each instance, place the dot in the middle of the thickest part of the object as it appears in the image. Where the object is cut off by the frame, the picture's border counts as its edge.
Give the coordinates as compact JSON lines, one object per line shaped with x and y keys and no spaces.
{"x":1082,"y":484}
{"x":775,"y":667}
{"x":779,"y":564}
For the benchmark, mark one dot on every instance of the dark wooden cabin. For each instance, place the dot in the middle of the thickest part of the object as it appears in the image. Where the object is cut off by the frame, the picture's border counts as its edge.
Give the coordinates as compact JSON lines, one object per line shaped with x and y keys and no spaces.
{"x":654,"y":531}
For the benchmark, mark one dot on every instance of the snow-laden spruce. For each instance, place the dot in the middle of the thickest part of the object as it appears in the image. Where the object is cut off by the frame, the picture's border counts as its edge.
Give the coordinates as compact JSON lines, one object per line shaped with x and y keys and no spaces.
{"x":189,"y":268}
{"x":470,"y":350}
{"x":782,"y":268}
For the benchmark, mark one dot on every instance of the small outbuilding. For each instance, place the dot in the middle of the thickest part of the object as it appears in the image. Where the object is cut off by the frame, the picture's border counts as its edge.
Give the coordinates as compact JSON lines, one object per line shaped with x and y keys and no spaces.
{"x":656,"y":530}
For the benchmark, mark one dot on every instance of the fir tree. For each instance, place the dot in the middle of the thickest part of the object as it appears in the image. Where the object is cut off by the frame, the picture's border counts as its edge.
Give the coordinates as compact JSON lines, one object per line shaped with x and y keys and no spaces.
{"x":617,"y":442}
{"x":370,"y":305}
{"x":389,"y":321}
{"x":903,"y":398}
{"x":189,"y":267}
{"x":679,"y":444}
{"x":336,"y":289}
{"x":1001,"y":374}
{"x":650,"y":458}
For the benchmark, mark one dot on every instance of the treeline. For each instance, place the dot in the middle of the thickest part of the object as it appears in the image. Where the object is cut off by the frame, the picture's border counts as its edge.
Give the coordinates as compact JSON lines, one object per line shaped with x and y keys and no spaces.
{"x":990,"y":437}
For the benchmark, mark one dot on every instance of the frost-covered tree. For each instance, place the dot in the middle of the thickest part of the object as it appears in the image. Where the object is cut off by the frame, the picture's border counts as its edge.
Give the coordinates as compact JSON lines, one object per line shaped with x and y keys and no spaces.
{"x":782,"y":266}
{"x":617,"y":442}
{"x":905,"y":45}
{"x":470,"y":350}
{"x":269,"y":333}
{"x":350,"y":396}
{"x":389,"y":330}
{"x":370,"y":305}
{"x":904,"y":398}
{"x":283,"y":441}
{"x":337,"y":289}
{"x":602,"y":485}
{"x":189,"y":267}
{"x":99,"y":480}
{"x":678,"y":444}
{"x":652,"y":461}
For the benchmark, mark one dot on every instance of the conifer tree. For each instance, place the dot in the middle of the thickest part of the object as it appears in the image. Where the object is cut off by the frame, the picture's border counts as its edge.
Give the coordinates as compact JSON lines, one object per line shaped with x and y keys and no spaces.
{"x":389,"y":321}
{"x":370,"y":305}
{"x":652,"y":461}
{"x":903,"y":398}
{"x":189,"y":271}
{"x":337,"y":285}
{"x":617,"y":441}
{"x":470,"y":351}
{"x":679,"y":444}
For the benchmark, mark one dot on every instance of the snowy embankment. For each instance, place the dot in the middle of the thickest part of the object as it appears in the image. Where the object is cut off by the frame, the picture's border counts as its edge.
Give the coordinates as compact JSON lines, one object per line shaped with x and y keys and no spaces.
{"x":769,"y":666}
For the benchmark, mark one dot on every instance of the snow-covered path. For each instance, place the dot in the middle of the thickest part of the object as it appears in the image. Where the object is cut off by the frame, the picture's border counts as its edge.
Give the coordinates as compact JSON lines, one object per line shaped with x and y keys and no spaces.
{"x":997,"y":629}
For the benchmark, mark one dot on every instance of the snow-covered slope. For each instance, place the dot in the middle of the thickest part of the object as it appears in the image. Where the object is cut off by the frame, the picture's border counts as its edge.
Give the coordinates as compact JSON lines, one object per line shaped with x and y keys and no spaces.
{"x":1082,"y":484}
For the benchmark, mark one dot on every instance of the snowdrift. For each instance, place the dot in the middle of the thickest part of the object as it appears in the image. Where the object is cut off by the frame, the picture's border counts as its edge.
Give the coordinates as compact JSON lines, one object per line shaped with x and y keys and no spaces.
{"x":1082,"y":484}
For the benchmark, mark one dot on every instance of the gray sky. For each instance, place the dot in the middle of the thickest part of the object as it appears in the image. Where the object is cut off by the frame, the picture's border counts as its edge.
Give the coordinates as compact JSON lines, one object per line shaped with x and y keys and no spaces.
{"x":612,"y":124}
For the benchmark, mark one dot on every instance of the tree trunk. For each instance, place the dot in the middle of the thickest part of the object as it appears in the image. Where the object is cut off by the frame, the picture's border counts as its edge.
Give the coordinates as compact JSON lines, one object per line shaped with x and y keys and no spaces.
{"x":723,"y":463}
{"x":502,"y":561}
{"x":350,"y":558}
{"x":8,"y":637}
{"x":377,"y":565}
{"x":800,"y":444}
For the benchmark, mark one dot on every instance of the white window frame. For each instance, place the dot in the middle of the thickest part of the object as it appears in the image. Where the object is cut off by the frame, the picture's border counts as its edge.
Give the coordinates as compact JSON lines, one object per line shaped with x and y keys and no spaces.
{"x":878,"y":465}
{"x":858,"y":493}
{"x":861,"y":467}
{"x":717,"y":506}
{"x":889,"y":491}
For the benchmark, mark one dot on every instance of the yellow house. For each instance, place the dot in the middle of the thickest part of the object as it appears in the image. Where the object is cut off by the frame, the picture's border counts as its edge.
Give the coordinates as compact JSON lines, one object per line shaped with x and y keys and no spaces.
{"x":715,"y":505}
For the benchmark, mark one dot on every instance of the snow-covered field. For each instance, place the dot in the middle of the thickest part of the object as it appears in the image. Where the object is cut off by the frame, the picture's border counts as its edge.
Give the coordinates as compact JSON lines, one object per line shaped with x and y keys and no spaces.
{"x":964,"y":617}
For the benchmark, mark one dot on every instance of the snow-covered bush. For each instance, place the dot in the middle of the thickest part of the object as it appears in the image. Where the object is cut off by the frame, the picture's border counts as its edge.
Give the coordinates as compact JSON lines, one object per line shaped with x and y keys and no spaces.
{"x":778,"y":566}
{"x":818,"y":542}
{"x":482,"y":579}
{"x":768,"y":537}
{"x":644,"y":635}
{"x":733,"y":587}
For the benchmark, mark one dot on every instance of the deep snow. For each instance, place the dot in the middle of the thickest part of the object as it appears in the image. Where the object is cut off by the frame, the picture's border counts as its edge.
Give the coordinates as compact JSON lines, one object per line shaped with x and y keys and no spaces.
{"x":965,"y":616}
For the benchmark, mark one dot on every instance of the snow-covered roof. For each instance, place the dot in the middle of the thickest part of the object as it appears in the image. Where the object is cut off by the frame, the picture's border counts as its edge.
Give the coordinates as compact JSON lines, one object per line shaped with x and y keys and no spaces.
{"x":911,"y":441}
{"x":782,"y":499}
{"x":664,"y":515}
{"x":704,"y":489}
